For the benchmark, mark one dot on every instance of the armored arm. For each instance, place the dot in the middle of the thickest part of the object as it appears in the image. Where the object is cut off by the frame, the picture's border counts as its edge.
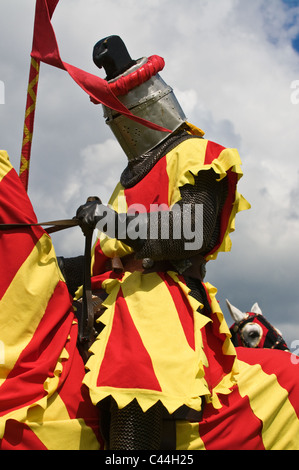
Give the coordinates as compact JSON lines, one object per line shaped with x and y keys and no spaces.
{"x":198,"y":217}
{"x":167,"y":235}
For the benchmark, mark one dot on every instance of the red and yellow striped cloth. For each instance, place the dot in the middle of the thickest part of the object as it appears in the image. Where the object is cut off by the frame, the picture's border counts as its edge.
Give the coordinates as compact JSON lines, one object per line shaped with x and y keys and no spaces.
{"x":261,"y":412}
{"x":43,"y":404}
{"x":252,"y":396}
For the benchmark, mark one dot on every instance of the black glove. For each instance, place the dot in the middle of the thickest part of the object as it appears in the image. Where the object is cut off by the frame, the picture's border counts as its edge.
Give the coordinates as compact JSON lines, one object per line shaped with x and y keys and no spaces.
{"x":92,"y":212}
{"x":113,"y":224}
{"x":89,"y":213}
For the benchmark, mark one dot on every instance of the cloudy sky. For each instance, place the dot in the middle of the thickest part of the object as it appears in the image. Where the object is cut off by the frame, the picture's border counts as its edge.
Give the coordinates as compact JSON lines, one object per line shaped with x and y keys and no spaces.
{"x":233,"y":64}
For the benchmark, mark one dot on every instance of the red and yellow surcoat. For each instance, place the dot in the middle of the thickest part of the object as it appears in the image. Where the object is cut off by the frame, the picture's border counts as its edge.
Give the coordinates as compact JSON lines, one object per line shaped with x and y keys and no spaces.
{"x":156,"y":344}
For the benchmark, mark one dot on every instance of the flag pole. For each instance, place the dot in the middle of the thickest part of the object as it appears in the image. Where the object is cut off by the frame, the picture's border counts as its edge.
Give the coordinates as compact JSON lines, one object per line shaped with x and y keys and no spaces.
{"x":29,"y":121}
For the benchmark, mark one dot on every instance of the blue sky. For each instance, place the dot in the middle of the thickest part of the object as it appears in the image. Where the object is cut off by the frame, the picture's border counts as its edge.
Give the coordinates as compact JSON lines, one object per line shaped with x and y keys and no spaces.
{"x":295,"y":43}
{"x":231,"y":64}
{"x":291,"y":3}
{"x":294,"y":4}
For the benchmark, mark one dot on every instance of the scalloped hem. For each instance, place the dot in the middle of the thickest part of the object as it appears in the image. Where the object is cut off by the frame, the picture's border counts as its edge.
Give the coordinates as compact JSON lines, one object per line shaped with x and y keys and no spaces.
{"x":144,"y":399}
{"x":147,"y":397}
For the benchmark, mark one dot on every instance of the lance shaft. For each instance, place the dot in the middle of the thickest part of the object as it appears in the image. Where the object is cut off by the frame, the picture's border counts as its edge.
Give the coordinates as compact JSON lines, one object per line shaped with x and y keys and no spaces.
{"x":29,"y":121}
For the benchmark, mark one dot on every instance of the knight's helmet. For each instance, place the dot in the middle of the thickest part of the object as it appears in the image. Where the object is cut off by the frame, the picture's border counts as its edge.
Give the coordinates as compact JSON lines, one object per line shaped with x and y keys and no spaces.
{"x":138,"y":85}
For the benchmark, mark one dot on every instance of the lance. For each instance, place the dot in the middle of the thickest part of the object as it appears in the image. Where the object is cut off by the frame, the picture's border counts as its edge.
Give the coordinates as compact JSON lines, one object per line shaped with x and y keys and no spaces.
{"x":29,"y":121}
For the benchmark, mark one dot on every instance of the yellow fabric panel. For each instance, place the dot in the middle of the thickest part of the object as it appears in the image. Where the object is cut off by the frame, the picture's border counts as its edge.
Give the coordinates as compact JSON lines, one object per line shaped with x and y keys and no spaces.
{"x":26,"y":299}
{"x":280,"y":423}
{"x":5,"y":166}
{"x":187,"y":437}
{"x":187,"y":159}
{"x":47,"y":425}
{"x":184,"y":161}
{"x":110,"y":246}
{"x":113,"y":248}
{"x":194,"y":130}
{"x":228,"y":347}
{"x":118,"y":200}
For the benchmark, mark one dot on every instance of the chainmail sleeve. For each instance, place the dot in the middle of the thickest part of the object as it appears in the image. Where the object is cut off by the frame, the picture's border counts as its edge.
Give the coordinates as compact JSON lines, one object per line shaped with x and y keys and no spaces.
{"x":207,"y":192}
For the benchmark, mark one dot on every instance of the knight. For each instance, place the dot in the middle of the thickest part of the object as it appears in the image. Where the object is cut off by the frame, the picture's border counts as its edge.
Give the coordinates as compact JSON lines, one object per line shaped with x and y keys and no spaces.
{"x":160,"y":329}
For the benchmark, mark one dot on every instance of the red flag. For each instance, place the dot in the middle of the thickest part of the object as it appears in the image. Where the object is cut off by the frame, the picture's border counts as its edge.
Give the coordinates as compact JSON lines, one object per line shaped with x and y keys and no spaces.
{"x":45,"y":49}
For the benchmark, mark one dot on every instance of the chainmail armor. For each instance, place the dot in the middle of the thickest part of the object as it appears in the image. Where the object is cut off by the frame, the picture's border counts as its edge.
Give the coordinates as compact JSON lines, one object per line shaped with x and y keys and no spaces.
{"x":72,"y":271}
{"x":139,"y":167}
{"x":132,"y":429}
{"x":206,"y":191}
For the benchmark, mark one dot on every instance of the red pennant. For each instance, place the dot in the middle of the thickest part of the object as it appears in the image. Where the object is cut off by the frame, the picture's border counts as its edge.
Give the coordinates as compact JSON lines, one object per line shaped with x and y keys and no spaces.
{"x":45,"y":49}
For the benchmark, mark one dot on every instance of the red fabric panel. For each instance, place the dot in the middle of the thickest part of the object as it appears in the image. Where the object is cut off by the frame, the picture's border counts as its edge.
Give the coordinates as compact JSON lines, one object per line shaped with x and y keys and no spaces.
{"x":152,"y":189}
{"x":219,"y":363}
{"x":24,"y":384}
{"x":100,"y":260}
{"x":183,"y":308}
{"x":74,"y":394}
{"x":233,"y":427}
{"x":213,"y":151}
{"x":281,"y":363}
{"x":18,"y":436}
{"x":125,"y":347}
{"x":15,"y":207}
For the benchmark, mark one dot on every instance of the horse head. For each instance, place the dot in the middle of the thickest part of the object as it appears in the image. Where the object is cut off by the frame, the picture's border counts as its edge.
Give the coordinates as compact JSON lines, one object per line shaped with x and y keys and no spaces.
{"x":252,"y":330}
